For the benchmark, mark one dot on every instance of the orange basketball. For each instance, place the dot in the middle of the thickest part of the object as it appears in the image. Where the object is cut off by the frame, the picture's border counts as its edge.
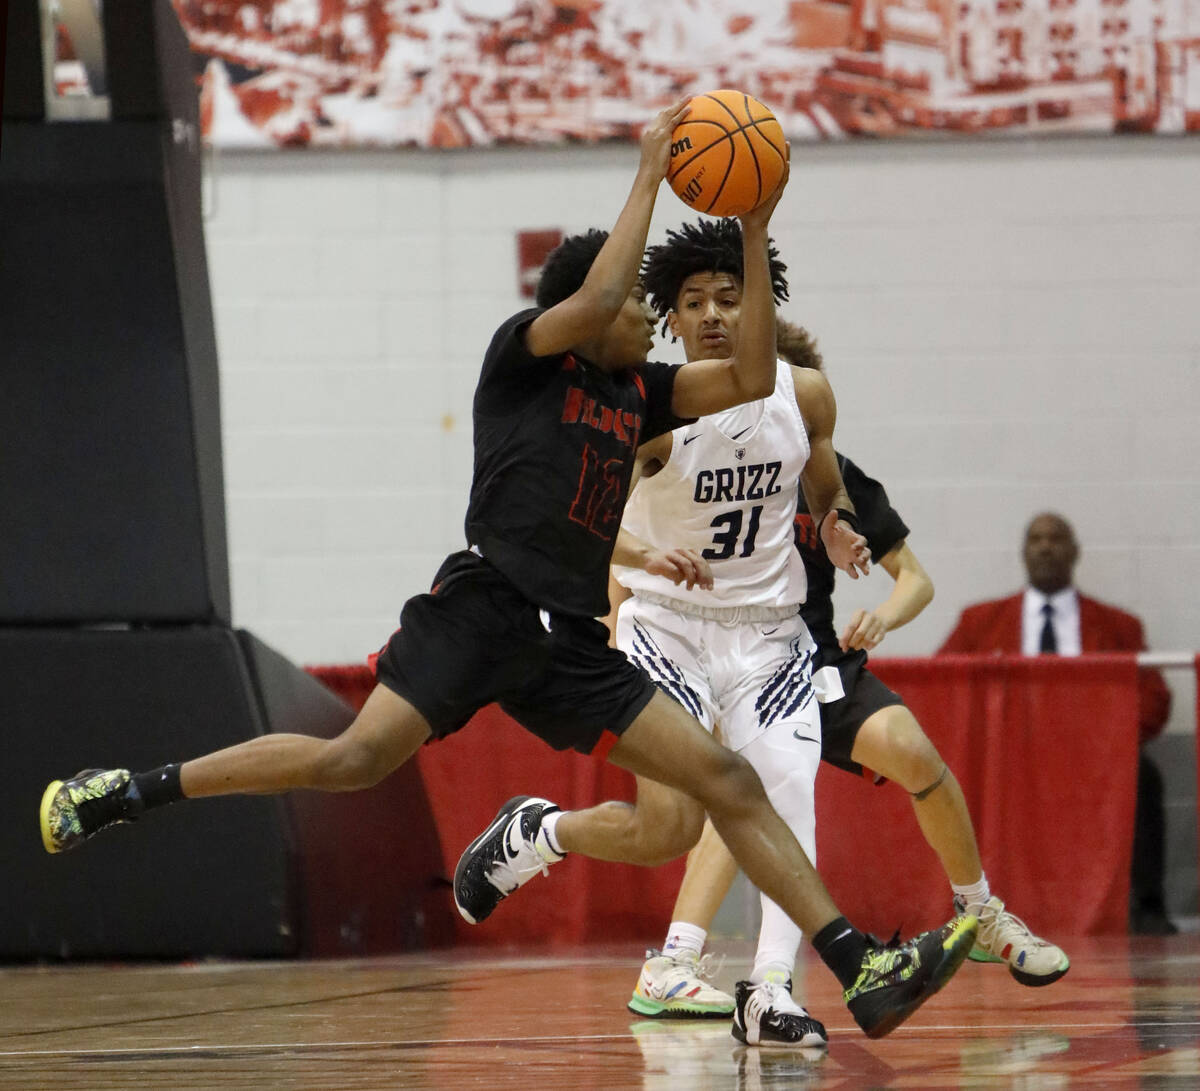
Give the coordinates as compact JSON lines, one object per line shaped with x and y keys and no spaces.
{"x":727,"y":155}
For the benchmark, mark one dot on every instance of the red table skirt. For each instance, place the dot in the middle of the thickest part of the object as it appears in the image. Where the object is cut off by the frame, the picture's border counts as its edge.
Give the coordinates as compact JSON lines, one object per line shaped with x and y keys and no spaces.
{"x":1045,"y":750}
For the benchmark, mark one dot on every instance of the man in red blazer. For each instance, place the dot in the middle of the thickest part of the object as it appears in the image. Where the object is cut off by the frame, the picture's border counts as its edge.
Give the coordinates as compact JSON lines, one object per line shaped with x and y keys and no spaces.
{"x":1051,"y":617}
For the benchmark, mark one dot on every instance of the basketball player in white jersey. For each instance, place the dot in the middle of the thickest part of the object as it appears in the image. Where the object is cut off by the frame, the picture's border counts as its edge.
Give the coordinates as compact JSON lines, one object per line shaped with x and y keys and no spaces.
{"x":738,"y":654}
{"x":671,"y":983}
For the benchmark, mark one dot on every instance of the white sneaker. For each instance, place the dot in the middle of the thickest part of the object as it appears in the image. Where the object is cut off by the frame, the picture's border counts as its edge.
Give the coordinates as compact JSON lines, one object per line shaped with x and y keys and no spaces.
{"x":510,"y":852}
{"x":1004,"y":937}
{"x":766,"y":1015}
{"x":673,"y":987}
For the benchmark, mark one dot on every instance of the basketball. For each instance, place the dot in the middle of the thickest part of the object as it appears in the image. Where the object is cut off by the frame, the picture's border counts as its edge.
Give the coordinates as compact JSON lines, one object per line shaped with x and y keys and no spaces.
{"x":727,"y":155}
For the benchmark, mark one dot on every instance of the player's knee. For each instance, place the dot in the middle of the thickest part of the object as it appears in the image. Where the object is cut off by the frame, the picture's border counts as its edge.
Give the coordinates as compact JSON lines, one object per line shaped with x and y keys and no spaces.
{"x":671,"y":836}
{"x":915,"y":760}
{"x":731,"y":784}
{"x":794,"y":796}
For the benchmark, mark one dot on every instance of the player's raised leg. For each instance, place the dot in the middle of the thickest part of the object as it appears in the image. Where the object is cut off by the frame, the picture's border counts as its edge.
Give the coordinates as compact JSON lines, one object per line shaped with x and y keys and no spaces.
{"x":384,"y":735}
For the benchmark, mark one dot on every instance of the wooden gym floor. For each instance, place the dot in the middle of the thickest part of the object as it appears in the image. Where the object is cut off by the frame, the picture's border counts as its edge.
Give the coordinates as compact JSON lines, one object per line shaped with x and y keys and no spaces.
{"x":1126,"y":1016}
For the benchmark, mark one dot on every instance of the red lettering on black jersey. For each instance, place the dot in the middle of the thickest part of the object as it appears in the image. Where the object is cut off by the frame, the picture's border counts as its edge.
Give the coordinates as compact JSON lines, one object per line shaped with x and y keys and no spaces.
{"x":634,"y":423}
{"x":580,"y":409}
{"x":805,"y":531}
{"x":596,"y":504}
{"x":571,"y":405}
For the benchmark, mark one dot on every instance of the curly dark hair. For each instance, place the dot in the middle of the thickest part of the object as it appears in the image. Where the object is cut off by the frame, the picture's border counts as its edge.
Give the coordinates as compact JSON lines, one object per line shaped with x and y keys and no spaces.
{"x":567,"y":266}
{"x":707,"y":246}
{"x":796,"y":345}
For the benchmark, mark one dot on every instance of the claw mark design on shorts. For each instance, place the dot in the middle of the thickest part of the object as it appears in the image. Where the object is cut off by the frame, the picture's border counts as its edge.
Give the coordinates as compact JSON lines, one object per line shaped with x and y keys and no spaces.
{"x":662,"y":671}
{"x":789,"y":689}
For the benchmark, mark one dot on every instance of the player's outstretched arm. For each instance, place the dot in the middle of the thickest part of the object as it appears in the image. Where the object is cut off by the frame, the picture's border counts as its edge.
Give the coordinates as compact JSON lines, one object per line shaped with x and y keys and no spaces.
{"x":824,"y":490}
{"x":911,"y":592}
{"x":708,"y":386}
{"x":591,"y":310}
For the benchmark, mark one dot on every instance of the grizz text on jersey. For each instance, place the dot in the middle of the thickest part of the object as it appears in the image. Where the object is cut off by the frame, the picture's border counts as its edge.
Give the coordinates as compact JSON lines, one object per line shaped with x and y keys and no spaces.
{"x":727,"y":484}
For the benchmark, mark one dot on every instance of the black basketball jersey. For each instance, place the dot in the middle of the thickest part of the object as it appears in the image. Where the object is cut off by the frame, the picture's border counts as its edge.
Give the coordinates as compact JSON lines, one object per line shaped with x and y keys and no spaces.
{"x":555,"y":438}
{"x":879,"y":523}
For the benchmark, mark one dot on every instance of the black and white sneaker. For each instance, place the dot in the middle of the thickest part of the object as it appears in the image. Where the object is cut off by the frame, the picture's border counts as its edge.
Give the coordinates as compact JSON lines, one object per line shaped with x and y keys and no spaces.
{"x":510,"y":852}
{"x":766,"y":1015}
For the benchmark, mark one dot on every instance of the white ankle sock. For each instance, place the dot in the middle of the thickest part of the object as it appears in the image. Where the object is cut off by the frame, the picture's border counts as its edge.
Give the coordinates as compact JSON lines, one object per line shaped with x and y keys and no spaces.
{"x":546,"y":833}
{"x":682,"y":936}
{"x":774,"y":970}
{"x":975,"y":895}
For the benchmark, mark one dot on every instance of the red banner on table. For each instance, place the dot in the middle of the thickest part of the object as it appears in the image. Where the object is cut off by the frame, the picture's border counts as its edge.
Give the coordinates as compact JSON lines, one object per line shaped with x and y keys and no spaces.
{"x":1046,"y":752}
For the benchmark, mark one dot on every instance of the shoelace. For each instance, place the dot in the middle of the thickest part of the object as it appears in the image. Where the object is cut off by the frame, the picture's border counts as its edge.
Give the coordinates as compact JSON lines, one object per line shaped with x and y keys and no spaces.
{"x":779,"y":998}
{"x":995,"y":920}
{"x":709,"y":965}
{"x":706,"y":966}
{"x":506,"y":874}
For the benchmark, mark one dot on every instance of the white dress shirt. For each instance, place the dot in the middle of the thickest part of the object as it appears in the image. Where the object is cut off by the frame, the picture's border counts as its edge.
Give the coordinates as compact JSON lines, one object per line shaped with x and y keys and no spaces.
{"x":1065,"y":604}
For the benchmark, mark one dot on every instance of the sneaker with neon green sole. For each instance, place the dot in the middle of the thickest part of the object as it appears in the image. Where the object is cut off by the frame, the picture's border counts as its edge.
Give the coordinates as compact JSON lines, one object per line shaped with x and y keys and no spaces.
{"x":673,"y":986}
{"x":75,"y":809}
{"x":1004,"y":937}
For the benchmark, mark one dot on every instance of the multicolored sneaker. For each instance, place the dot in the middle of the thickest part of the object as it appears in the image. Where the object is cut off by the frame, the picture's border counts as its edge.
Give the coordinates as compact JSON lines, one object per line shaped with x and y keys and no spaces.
{"x":72,"y":810}
{"x":894,"y":981}
{"x":766,"y":1015}
{"x":510,"y":852}
{"x":1004,"y":937}
{"x":672,"y":986}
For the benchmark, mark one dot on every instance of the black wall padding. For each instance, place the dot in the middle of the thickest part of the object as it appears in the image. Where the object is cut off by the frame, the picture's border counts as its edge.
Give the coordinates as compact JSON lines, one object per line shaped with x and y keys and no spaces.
{"x":111,"y":483}
{"x":203,"y":877}
{"x":24,"y":93}
{"x":368,"y":863}
{"x":308,"y":873}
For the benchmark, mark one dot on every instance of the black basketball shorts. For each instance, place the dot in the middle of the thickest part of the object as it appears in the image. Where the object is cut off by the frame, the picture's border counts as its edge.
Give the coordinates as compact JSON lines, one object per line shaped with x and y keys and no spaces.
{"x":840,"y":720}
{"x":476,"y":639}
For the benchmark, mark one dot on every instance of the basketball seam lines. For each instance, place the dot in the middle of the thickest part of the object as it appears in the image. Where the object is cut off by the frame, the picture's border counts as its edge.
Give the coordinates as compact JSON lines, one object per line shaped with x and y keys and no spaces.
{"x":752,"y":123}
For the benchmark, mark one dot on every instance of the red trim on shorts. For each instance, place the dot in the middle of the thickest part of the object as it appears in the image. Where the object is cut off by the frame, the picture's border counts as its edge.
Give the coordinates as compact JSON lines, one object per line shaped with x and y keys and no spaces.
{"x":605,"y":744}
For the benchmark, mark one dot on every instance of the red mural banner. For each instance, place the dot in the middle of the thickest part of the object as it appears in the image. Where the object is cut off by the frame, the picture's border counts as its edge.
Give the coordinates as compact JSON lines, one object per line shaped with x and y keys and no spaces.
{"x":457,"y":73}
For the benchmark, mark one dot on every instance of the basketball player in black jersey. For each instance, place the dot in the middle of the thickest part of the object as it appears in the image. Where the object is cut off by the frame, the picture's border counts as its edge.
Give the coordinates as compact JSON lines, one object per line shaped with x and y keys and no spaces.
{"x":563,"y":399}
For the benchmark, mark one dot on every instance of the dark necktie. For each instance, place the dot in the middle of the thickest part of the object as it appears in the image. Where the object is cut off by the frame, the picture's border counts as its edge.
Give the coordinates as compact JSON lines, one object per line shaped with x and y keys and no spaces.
{"x":1048,"y":644}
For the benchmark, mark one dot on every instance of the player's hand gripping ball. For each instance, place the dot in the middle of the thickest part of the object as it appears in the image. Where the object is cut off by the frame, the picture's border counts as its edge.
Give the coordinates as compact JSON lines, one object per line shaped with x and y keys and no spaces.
{"x":727,"y":155}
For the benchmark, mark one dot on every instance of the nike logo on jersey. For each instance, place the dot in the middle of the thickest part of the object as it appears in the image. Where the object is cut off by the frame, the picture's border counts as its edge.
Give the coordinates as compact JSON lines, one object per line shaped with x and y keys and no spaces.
{"x":741,"y":433}
{"x":688,"y":439}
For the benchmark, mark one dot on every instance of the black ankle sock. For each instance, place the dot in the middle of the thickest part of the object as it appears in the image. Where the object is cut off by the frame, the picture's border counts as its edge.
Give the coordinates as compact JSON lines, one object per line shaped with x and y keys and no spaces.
{"x":841,"y":947}
{"x":156,"y":788}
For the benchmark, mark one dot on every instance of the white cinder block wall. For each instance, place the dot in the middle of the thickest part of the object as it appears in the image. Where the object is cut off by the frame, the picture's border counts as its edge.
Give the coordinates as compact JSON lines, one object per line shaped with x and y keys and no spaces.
{"x":1009,"y":326}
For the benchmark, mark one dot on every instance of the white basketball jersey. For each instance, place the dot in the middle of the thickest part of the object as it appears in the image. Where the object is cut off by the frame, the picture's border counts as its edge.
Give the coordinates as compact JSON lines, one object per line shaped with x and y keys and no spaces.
{"x":729,"y":491}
